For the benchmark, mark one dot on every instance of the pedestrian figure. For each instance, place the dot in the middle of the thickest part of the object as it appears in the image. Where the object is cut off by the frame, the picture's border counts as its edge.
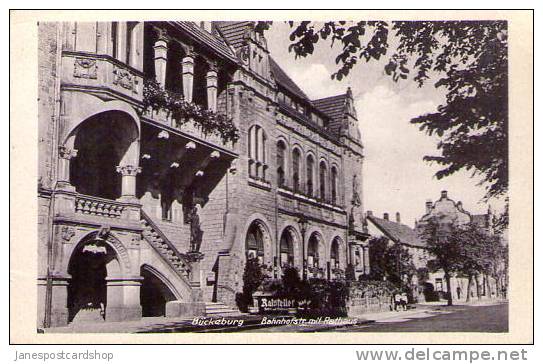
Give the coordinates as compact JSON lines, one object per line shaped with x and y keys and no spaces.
{"x":403,"y":301}
{"x":397,"y":301}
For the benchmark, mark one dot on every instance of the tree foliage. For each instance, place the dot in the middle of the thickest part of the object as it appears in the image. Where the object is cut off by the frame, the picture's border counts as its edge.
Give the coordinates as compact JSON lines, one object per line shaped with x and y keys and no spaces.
{"x":392,"y":261}
{"x":465,"y":250}
{"x":467,"y":59}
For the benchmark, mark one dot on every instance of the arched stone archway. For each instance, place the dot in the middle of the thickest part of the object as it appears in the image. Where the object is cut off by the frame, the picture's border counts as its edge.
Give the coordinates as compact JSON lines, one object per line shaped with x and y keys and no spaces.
{"x":258,"y":242}
{"x":316,"y":255}
{"x":99,"y":155}
{"x":101,"y":286}
{"x":337,"y":252}
{"x":155,"y":292}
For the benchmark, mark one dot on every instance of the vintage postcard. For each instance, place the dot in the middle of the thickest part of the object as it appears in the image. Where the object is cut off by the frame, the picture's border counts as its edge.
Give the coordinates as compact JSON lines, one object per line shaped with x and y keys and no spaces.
{"x":204,"y":174}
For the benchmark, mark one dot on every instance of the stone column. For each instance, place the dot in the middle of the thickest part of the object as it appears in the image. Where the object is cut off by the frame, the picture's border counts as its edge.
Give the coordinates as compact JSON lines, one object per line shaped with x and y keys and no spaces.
{"x":260,"y":154}
{"x":65,"y":155}
{"x":128,"y":173}
{"x":59,"y":300}
{"x":212,"y":85}
{"x":121,"y":41}
{"x":161,"y":57}
{"x":123,"y":299}
{"x":187,"y":66}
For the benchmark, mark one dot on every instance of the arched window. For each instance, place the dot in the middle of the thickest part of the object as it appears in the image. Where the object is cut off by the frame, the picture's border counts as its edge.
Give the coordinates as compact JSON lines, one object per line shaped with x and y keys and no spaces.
{"x":333,"y":185}
{"x":322,"y":178}
{"x":281,"y":165}
{"x":257,"y":153}
{"x":334,"y":254}
{"x":296,"y":169}
{"x":313,"y":252}
{"x":255,"y":242}
{"x":309,"y":175}
{"x":286,"y":257}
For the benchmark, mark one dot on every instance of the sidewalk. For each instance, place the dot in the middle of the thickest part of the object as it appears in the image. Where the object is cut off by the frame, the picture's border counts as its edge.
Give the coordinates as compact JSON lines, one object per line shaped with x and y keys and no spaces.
{"x":473,"y":302}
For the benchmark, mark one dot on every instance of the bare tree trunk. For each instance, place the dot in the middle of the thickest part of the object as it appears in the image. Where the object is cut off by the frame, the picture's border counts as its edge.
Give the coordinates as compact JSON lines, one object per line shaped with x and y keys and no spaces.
{"x":478,"y":288}
{"x":449,"y":295}
{"x":488,"y":286}
{"x":468,"y":290}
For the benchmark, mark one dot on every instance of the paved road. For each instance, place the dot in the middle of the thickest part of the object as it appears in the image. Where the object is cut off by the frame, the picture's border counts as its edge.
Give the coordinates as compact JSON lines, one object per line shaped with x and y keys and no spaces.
{"x":449,"y":319}
{"x":491,"y":318}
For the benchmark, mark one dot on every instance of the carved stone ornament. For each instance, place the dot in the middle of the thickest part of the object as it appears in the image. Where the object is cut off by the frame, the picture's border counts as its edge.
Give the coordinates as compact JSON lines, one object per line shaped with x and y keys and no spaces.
{"x":103,"y":233}
{"x":123,"y":78}
{"x":66,"y":233}
{"x":128,"y":170}
{"x":66,"y":153}
{"x":85,"y":68}
{"x":94,"y":249}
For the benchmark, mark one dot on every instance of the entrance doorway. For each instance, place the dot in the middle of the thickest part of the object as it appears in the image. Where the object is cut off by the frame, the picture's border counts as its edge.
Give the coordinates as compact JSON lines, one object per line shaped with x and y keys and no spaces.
{"x":87,"y":291}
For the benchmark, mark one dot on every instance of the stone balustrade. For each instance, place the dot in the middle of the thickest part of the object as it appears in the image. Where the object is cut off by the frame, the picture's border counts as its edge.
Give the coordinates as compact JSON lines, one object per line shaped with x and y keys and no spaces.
{"x":98,"y":206}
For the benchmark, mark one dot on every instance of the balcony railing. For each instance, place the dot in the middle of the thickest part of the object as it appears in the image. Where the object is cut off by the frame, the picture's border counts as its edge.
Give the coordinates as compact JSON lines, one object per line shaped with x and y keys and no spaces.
{"x":98,"y":206}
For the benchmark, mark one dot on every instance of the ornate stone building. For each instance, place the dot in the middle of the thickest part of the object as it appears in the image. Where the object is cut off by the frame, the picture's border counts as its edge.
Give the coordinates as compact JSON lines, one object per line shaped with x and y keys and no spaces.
{"x":169,"y":152}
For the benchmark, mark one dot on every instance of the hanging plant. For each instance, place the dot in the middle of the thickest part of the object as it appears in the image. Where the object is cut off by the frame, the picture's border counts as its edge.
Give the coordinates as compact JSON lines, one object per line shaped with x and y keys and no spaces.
{"x":182,"y":111}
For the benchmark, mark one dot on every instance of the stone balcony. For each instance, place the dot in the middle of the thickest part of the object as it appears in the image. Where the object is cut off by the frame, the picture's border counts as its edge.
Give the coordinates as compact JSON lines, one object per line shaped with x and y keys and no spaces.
{"x":96,"y":211}
{"x":188,"y":129}
{"x":99,"y":73}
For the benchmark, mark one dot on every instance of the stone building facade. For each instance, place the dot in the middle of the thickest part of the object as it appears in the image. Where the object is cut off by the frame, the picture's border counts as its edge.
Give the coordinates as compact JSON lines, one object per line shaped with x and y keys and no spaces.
{"x":146,"y":210}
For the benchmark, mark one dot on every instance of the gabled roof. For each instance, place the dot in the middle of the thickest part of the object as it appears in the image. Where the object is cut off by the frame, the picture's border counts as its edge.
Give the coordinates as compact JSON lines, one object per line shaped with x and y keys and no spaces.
{"x":213,"y":42}
{"x":333,"y":106}
{"x":285,"y":81}
{"x":398,"y":232}
{"x":233,"y":31}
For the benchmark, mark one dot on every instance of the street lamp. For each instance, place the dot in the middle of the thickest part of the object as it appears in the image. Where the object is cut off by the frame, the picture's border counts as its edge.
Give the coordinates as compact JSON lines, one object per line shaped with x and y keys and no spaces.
{"x":302,"y":221}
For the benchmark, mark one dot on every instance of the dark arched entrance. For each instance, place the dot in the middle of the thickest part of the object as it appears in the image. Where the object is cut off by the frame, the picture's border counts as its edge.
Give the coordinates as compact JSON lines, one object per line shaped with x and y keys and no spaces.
{"x":87,"y":290}
{"x":103,"y":142}
{"x":153,"y":294}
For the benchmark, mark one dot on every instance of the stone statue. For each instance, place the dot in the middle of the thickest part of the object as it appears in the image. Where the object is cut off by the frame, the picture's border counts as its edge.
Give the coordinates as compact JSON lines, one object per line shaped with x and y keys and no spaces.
{"x":356,"y":201}
{"x":195,"y":231}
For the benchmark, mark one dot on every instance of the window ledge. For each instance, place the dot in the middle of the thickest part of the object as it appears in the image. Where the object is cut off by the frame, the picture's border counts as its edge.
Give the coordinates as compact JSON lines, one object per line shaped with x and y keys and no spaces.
{"x":265,"y":185}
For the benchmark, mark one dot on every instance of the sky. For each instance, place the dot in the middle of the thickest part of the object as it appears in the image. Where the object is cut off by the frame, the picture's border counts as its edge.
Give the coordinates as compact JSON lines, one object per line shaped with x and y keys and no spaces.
{"x":395,"y":177}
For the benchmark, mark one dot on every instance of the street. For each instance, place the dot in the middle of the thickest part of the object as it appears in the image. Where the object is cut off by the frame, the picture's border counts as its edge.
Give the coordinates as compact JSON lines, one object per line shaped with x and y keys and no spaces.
{"x":485,"y":317}
{"x":461,"y":318}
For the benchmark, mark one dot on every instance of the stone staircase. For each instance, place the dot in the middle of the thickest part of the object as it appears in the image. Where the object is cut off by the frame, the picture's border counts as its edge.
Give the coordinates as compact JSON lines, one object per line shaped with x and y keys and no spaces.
{"x":220,"y":309}
{"x":164,"y":246}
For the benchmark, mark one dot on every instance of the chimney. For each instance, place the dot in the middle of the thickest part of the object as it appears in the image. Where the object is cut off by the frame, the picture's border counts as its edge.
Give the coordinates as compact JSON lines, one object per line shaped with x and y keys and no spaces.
{"x":207,"y":26}
{"x":428,"y":206}
{"x":459,"y":205}
{"x":385,"y":216}
{"x":443,"y":194}
{"x":369,"y":213}
{"x":398,"y":220}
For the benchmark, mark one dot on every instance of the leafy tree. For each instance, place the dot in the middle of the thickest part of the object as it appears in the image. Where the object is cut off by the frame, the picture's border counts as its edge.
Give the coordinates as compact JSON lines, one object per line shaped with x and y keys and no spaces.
{"x":468,"y":59}
{"x":390,"y":260}
{"x":444,"y":244}
{"x":252,"y":279}
{"x":474,"y":251}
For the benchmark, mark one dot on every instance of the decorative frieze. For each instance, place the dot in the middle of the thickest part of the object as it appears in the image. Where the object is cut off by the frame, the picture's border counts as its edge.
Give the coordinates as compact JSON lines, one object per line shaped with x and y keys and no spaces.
{"x":66,"y":153}
{"x":124,"y":78}
{"x":66,"y":233}
{"x":128,"y":170}
{"x":85,"y":68}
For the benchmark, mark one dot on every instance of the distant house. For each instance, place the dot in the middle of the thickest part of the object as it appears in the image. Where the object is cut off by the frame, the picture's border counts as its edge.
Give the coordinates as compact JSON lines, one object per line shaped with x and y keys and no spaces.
{"x":410,"y":238}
